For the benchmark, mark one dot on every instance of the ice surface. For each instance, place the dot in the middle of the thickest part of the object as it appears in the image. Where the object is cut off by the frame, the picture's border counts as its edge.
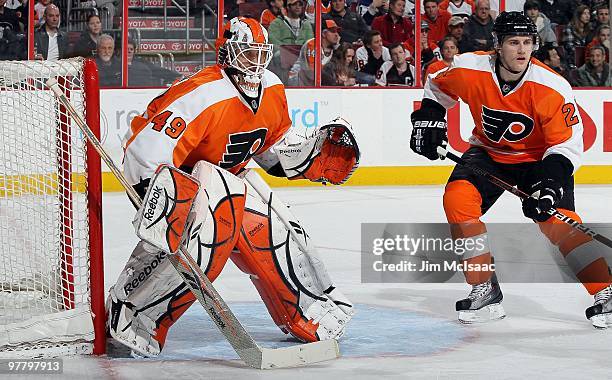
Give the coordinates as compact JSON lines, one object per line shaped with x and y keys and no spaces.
{"x":401,"y":330}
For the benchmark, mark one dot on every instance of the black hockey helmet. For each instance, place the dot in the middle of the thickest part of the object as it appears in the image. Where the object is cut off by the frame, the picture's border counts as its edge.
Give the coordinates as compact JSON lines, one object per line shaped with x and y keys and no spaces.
{"x":514,"y":24}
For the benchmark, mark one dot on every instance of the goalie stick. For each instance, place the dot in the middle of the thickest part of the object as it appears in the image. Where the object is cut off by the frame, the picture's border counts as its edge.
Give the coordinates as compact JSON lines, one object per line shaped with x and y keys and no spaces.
{"x":241,"y":341}
{"x":522,"y":195}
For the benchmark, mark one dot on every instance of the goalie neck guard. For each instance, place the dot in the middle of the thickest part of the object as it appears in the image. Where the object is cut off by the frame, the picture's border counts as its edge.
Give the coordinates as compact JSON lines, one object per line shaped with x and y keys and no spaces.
{"x":244,"y":53}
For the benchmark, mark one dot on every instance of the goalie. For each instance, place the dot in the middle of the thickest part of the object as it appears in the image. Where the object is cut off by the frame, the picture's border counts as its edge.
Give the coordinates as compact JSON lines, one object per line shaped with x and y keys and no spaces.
{"x":211,"y":125}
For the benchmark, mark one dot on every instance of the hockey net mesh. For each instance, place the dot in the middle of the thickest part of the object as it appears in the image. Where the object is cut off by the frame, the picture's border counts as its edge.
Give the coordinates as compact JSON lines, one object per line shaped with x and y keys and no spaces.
{"x":44,"y":260}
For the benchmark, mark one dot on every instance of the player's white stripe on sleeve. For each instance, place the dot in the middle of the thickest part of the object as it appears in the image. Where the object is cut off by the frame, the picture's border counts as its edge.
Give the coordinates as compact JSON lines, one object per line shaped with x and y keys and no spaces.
{"x":433,"y":92}
{"x":151,"y":148}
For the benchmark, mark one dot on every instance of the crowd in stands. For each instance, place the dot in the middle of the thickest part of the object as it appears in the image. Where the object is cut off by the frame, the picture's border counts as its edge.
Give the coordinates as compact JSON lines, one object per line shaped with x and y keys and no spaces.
{"x":51,"y":42}
{"x":363,"y":42}
{"x":372,"y":42}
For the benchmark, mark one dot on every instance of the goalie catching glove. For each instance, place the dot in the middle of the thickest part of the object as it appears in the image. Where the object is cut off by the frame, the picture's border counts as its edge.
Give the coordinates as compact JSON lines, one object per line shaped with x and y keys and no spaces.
{"x":331,"y":154}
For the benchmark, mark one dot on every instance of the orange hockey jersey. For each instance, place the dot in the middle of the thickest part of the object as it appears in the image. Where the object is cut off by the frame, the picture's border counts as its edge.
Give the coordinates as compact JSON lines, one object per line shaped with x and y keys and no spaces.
{"x":205,"y":118}
{"x":537,"y":118}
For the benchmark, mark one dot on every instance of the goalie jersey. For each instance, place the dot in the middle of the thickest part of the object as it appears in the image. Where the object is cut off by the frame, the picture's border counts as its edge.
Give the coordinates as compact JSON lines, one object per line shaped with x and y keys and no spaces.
{"x":537,"y":118}
{"x":205,"y":118}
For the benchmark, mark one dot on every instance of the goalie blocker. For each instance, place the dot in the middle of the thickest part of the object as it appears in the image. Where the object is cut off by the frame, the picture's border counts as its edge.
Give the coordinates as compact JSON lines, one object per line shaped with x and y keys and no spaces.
{"x":226,"y":221}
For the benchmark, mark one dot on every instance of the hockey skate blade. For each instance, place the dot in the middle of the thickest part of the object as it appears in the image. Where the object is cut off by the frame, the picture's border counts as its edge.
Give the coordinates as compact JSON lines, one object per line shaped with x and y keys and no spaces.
{"x":296,"y":356}
{"x":488,"y":313}
{"x":601,"y":321}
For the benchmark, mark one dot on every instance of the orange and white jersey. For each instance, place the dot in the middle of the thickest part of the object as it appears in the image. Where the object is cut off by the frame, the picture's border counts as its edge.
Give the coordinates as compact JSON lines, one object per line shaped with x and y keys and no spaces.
{"x":434,"y":67}
{"x":537,"y":118}
{"x":205,"y":118}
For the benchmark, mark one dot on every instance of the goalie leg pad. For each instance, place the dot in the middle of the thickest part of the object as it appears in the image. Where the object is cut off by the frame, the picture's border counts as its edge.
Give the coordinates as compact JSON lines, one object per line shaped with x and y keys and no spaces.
{"x":162,"y":219}
{"x":149,"y":295}
{"x":288,"y":283}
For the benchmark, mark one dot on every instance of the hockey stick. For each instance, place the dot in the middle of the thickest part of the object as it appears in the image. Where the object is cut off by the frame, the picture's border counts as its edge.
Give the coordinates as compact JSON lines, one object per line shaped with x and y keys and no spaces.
{"x":241,"y":341}
{"x":522,"y":195}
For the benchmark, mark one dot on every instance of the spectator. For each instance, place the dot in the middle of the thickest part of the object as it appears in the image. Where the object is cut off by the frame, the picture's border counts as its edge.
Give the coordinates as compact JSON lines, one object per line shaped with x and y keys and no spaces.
{"x":595,"y":72}
{"x":558,"y":11}
{"x":394,"y":27}
{"x":371,"y":56}
{"x":455,"y":26}
{"x":12,"y":42}
{"x":494,"y":5}
{"x":107,"y":5}
{"x":8,"y":19}
{"x":302,"y":72}
{"x":13,"y":4}
{"x":370,"y":9}
{"x":448,"y":49}
{"x":462,"y":8}
{"x":602,"y":17}
{"x":275,"y":9}
{"x":310,"y":10}
{"x":576,"y":32}
{"x":109,"y":67}
{"x":139,"y":73}
{"x":429,"y":50}
{"x":351,"y":24}
{"x":437,"y":20}
{"x":39,"y":10}
{"x":330,"y":39}
{"x":397,"y":71}
{"x":549,"y":55}
{"x":545,"y":31}
{"x":480,"y":26}
{"x":339,"y":71}
{"x":50,"y":43}
{"x":86,"y":45}
{"x":292,"y":29}
{"x":21,"y":9}
{"x":603,"y":39}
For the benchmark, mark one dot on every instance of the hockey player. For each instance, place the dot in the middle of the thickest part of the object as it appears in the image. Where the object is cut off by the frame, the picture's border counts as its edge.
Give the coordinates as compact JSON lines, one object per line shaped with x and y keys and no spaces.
{"x":211,"y":125}
{"x":529,"y":133}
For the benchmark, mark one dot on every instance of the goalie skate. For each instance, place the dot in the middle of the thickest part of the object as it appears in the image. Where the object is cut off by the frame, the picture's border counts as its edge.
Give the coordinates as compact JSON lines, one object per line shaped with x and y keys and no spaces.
{"x":483,"y":304}
{"x":126,"y":326}
{"x":600,"y":314}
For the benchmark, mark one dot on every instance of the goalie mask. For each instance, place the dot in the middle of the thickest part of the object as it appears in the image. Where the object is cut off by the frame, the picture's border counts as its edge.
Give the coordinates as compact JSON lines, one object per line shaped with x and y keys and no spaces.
{"x":245,"y":53}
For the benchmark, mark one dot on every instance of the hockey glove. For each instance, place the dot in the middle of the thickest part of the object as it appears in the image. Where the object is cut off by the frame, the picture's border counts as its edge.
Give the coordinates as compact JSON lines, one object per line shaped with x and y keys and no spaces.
{"x":544,"y":184}
{"x":428,"y":131}
{"x":330,"y":155}
{"x":545,"y":194}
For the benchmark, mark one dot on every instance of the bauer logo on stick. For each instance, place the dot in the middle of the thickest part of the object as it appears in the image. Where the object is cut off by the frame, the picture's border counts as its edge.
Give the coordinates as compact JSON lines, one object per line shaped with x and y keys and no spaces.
{"x":166,"y":207}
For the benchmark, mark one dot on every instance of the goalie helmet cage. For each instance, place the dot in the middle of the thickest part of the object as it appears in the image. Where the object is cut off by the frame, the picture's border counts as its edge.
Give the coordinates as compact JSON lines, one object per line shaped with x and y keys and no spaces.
{"x":51,"y":268}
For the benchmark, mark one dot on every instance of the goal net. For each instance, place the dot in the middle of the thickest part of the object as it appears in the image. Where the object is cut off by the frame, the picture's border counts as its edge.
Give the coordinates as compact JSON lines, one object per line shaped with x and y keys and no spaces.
{"x":51,"y":282}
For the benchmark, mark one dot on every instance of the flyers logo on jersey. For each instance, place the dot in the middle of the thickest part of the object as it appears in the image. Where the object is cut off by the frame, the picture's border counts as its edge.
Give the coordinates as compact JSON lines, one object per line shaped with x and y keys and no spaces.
{"x":242,"y":146}
{"x":510,"y":126}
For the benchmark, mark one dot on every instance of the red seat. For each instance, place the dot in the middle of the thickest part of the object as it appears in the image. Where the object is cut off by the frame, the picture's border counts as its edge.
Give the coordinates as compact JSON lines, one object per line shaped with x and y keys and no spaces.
{"x":559,"y":33}
{"x":288,"y":55}
{"x":579,"y":56}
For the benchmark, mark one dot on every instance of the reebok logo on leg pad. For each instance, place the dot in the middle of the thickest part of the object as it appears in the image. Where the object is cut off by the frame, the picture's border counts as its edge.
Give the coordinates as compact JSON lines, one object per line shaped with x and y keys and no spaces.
{"x":166,"y":207}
